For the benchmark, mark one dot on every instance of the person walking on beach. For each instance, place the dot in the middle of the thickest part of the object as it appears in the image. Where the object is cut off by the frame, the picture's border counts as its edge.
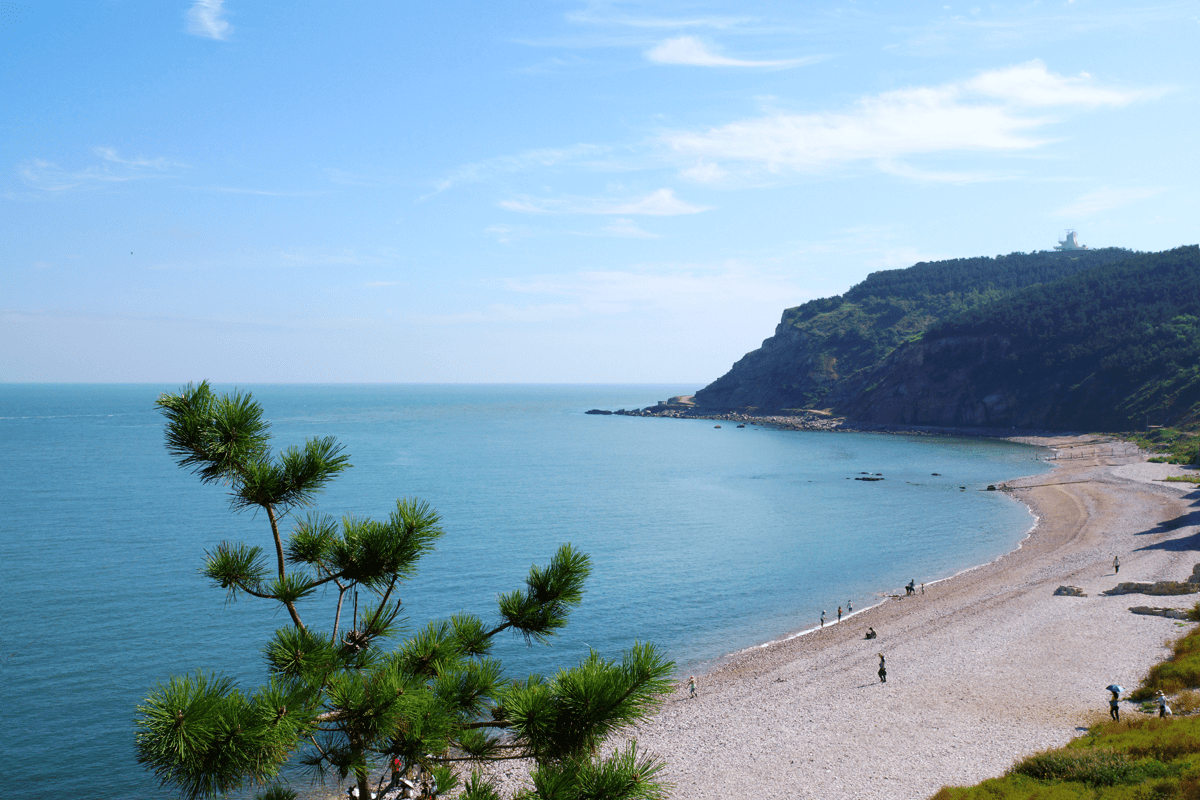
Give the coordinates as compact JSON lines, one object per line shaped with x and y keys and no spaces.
{"x":822,"y":618}
{"x":922,"y":588}
{"x":1116,"y":565}
{"x":692,"y":686}
{"x":1114,"y":708}
{"x":839,"y":613}
{"x":882,"y":669}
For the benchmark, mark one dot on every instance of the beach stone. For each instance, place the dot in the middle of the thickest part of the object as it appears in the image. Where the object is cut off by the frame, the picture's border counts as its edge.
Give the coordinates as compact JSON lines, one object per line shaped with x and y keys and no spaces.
{"x":1158,"y":587}
{"x":1172,"y":613}
{"x":1070,"y":591}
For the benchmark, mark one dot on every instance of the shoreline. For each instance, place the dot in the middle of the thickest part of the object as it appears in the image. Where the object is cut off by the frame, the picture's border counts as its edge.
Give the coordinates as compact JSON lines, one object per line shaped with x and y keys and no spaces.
{"x":985,"y":668}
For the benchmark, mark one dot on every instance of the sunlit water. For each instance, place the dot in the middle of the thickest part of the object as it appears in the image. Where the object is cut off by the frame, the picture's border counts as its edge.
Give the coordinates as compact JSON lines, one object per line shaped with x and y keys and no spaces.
{"x":703,"y":541}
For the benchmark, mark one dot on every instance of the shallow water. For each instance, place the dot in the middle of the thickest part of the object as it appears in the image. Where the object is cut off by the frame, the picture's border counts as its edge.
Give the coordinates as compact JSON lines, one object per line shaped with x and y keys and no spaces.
{"x":703,"y":541}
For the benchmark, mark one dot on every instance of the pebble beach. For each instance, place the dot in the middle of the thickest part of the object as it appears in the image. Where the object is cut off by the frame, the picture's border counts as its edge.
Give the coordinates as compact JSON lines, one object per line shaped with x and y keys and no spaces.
{"x":983,"y":668}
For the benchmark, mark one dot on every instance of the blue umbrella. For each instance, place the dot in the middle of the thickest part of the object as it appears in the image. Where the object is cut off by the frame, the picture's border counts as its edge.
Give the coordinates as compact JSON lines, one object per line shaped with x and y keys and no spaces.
{"x":1112,"y":687}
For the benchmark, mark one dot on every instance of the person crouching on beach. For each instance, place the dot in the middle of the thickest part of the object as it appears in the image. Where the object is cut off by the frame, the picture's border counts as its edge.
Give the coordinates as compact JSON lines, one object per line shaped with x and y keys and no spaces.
{"x":882,"y":669}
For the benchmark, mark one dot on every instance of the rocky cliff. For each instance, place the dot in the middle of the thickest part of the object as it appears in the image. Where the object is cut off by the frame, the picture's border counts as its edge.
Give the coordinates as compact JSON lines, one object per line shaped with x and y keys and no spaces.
{"x":1105,"y":341}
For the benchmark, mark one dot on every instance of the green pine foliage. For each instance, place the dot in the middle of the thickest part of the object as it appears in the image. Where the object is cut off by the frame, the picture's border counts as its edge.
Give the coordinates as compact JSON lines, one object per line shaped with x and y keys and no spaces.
{"x":348,"y":700}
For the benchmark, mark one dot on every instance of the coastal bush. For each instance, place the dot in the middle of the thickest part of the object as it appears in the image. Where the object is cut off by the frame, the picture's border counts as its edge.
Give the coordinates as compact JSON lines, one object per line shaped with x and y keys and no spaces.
{"x":1093,"y":766}
{"x":343,"y":702}
{"x":1180,"y":672}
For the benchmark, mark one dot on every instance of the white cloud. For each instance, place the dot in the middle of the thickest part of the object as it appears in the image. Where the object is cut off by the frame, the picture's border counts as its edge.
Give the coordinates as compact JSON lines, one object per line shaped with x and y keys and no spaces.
{"x":1106,"y":200}
{"x":205,"y":19}
{"x":690,"y":51}
{"x":989,"y":113}
{"x":501,"y":165}
{"x":591,"y":18}
{"x":660,"y":203}
{"x":902,"y":170}
{"x":626,"y":229}
{"x":1031,"y":85}
{"x":49,"y":177}
{"x":703,"y":172}
{"x":344,"y":178}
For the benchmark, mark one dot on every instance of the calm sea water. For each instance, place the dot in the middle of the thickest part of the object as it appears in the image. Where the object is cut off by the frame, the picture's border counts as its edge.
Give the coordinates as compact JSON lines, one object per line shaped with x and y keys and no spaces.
{"x":703,"y":541}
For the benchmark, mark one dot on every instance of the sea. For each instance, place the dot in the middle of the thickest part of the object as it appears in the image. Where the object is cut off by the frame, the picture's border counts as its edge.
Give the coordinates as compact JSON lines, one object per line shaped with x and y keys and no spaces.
{"x":705,"y":538}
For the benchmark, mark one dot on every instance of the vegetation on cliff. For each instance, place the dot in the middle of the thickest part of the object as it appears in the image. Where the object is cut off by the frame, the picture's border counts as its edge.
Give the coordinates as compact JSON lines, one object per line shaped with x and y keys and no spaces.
{"x":1091,"y":340}
{"x":821,"y":349}
{"x":1116,"y":347}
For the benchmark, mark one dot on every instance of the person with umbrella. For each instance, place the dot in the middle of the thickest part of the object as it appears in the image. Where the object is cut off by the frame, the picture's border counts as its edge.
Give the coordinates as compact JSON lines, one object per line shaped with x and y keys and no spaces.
{"x":1114,"y":710}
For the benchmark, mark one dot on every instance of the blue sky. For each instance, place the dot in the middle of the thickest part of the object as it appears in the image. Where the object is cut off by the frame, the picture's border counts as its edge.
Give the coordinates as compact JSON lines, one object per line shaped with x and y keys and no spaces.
{"x":547,"y":191}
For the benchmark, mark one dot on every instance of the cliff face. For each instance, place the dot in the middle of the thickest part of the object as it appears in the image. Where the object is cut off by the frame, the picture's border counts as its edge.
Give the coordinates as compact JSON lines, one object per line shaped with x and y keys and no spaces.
{"x":790,"y":370}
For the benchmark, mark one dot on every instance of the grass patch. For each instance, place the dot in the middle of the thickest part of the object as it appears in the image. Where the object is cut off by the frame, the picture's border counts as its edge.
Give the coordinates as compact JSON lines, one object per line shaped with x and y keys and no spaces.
{"x":1182,"y":478}
{"x":1180,"y":672}
{"x":1173,"y":445}
{"x":1140,"y":758}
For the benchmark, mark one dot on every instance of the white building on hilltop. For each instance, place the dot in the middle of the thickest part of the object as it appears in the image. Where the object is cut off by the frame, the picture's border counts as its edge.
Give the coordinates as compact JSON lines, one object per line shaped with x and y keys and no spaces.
{"x":1070,"y":242}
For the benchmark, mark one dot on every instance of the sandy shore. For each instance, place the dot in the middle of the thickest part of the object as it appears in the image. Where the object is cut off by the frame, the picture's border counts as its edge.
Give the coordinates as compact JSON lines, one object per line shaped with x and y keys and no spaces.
{"x":983,"y":669}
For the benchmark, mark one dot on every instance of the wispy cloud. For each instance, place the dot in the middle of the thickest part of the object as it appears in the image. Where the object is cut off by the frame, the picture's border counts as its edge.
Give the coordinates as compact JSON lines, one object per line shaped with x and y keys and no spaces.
{"x":660,"y":203}
{"x":344,"y":178}
{"x":686,"y":289}
{"x":1031,"y":85}
{"x":623,"y":228}
{"x":205,"y":18}
{"x":902,"y":170}
{"x":593,"y":17}
{"x":50,"y":177}
{"x":996,"y":111}
{"x":261,"y":192}
{"x":690,"y":51}
{"x":501,"y":165}
{"x":1106,"y":200}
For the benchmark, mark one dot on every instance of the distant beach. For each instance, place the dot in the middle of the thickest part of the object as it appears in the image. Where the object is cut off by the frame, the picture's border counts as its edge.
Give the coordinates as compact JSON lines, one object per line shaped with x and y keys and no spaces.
{"x":983,"y":668}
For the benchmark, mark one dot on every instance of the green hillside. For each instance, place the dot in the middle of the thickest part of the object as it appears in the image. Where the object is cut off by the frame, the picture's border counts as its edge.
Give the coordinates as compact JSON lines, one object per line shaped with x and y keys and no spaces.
{"x":1116,"y":347}
{"x":821,"y":350}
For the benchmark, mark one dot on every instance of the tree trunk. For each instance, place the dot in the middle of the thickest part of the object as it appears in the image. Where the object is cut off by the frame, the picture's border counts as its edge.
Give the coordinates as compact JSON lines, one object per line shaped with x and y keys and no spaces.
{"x":364,"y":785}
